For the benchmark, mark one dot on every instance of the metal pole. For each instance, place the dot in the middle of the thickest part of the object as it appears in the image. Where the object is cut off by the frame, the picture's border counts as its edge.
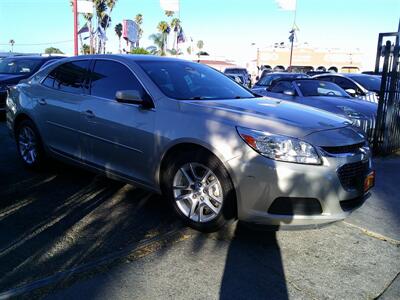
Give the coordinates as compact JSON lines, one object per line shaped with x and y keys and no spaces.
{"x":291,"y":55}
{"x":75,"y":27}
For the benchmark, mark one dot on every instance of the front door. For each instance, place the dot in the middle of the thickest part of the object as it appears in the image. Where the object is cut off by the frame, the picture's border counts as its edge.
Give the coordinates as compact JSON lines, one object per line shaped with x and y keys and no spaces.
{"x":117,"y":137}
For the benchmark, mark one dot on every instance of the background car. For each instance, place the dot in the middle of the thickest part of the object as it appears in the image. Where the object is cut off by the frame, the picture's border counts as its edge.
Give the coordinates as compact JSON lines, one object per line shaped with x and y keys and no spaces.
{"x":267,"y":79}
{"x":362,"y":86}
{"x":237,"y":78}
{"x":246,"y":77}
{"x":15,"y":68}
{"x":326,"y":96}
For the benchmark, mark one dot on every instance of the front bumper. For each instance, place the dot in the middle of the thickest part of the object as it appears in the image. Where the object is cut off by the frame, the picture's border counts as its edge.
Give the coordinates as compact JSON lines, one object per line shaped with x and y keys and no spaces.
{"x":307,"y":194}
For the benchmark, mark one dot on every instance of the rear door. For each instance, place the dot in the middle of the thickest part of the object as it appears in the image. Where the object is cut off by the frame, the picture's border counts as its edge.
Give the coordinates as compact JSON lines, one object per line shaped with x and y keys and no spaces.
{"x":117,"y":137}
{"x":60,"y":97}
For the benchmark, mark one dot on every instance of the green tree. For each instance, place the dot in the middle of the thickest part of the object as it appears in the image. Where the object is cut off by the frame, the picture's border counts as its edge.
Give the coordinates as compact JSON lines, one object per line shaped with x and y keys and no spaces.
{"x":139,"y":51}
{"x":169,"y":13}
{"x":159,"y":44}
{"x":118,"y":32}
{"x":85,"y":49}
{"x":200,"y":45}
{"x":189,"y":50}
{"x":52,"y":50}
{"x":12,"y":42}
{"x":139,"y":21}
{"x":164,"y":29}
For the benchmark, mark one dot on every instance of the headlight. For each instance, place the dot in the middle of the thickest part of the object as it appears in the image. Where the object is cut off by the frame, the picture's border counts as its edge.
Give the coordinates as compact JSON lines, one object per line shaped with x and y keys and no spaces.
{"x":279,"y":147}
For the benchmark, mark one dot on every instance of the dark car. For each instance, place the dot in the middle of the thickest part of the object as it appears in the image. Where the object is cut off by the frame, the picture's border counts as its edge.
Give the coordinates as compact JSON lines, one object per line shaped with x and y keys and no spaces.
{"x":267,"y":80}
{"x":362,"y":86}
{"x":239,"y":71}
{"x":326,"y":96}
{"x":13,"y":69}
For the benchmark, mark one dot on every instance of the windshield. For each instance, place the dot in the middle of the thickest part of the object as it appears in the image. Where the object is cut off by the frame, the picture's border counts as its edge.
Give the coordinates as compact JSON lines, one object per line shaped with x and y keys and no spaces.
{"x":371,"y":83}
{"x":192,"y":81}
{"x":320,"y":88}
{"x":267,"y":79}
{"x":18,"y":66}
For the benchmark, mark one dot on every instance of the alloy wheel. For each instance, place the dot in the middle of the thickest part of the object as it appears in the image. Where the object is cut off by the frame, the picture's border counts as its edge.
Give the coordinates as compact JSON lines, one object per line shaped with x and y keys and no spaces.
{"x":197,"y":192}
{"x":27,"y":145}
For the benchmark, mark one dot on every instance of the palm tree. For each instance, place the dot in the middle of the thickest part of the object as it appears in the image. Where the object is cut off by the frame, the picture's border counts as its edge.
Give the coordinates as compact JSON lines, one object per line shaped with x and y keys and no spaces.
{"x":169,"y":13}
{"x":139,"y":22}
{"x":200,"y":45}
{"x":159,"y":44}
{"x":118,"y":32}
{"x":164,"y":29}
{"x":175,"y":25}
{"x":12,"y":42}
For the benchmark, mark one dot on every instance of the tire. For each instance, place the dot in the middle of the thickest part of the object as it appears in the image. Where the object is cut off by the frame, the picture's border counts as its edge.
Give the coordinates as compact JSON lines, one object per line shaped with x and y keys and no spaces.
{"x":198,"y":206}
{"x":26,"y":135}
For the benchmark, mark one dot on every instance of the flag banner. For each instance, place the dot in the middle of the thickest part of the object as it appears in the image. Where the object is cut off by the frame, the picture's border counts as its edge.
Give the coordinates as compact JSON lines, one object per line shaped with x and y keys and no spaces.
{"x":181,"y":36}
{"x":85,"y":7}
{"x":289,"y":5}
{"x":85,"y":28}
{"x":170,"y":5}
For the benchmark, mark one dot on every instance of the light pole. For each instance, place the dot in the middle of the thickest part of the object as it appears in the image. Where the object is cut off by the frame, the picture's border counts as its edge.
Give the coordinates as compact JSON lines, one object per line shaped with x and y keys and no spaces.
{"x":75,"y":27}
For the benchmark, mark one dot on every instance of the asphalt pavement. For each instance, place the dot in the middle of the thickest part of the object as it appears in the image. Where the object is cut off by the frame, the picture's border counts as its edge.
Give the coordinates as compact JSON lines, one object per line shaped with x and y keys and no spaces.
{"x":66,"y":233}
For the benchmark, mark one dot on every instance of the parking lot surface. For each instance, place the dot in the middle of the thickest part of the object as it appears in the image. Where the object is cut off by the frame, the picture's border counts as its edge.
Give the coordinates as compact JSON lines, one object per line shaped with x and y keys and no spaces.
{"x":68,"y":233}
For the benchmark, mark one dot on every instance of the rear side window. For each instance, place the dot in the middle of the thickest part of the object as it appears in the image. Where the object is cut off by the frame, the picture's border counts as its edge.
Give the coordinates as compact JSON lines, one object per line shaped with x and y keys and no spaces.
{"x":68,"y":77}
{"x":345,"y":83}
{"x":108,"y":77}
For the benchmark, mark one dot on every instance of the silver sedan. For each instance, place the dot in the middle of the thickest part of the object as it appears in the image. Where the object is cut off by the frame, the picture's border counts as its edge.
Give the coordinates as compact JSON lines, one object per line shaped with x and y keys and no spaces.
{"x":216,"y":151}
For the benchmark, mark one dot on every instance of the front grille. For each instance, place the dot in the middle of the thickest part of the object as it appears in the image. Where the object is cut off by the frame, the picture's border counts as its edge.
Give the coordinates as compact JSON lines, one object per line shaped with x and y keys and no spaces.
{"x":344,"y":149}
{"x":352,"y":175}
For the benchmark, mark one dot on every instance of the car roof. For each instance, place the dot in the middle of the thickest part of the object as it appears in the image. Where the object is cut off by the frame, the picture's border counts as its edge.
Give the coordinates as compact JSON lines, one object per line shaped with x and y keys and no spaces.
{"x":34,"y":57}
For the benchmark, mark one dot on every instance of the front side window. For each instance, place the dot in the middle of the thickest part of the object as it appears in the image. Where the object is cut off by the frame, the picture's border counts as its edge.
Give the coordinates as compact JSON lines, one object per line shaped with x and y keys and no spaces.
{"x":68,"y":77}
{"x":18,"y":65}
{"x":108,"y":77}
{"x":310,"y":88}
{"x":282,"y":86}
{"x":191,"y":81}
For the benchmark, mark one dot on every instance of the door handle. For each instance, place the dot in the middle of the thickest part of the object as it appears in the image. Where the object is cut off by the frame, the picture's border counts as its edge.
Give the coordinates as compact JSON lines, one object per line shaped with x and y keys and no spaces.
{"x":42,"y":101}
{"x":89,"y":114}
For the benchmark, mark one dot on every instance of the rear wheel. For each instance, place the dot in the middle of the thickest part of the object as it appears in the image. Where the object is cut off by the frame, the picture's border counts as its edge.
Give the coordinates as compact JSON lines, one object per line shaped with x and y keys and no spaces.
{"x":29,"y":145}
{"x":200,"y":190}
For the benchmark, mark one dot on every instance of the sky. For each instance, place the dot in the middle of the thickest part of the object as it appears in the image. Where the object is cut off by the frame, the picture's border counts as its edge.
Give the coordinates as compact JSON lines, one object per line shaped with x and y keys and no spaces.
{"x":227,"y":27}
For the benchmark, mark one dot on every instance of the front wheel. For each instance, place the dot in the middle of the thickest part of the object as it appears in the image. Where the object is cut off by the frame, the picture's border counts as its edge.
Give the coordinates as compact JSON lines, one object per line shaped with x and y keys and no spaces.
{"x":200,"y":190}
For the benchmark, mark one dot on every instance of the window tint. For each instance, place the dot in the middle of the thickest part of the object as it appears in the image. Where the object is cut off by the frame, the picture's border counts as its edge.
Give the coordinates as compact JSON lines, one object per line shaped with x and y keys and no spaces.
{"x":108,"y":77}
{"x":345,"y":83}
{"x":320,"y":88}
{"x":326,"y":78}
{"x":68,"y":77}
{"x":282,"y":86}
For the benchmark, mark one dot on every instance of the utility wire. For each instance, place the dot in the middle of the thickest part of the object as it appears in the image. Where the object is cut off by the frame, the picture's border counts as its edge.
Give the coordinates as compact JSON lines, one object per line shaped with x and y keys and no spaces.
{"x":38,"y":44}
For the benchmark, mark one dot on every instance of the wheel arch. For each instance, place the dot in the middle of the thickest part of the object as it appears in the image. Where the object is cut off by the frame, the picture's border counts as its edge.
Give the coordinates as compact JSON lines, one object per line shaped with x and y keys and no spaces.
{"x":181,"y":146}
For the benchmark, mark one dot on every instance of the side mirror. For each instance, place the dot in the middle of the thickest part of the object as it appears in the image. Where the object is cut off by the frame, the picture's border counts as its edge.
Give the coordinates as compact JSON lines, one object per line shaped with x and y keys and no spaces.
{"x":351,"y":92}
{"x":288,"y":92}
{"x":257,"y":78}
{"x":131,"y":97}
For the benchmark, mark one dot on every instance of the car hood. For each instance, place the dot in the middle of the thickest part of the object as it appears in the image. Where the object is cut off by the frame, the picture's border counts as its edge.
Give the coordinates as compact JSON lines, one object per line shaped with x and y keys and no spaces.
{"x":275,"y":116}
{"x":12,"y":78}
{"x":339,"y":104}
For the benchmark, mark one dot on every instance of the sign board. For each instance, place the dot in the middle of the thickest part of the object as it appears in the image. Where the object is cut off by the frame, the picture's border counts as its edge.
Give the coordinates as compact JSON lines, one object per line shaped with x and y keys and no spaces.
{"x":85,"y":7}
{"x":130,"y":30}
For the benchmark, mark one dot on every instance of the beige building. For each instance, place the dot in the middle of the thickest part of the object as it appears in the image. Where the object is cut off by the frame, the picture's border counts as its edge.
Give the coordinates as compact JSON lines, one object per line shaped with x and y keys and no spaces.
{"x":309,"y":58}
